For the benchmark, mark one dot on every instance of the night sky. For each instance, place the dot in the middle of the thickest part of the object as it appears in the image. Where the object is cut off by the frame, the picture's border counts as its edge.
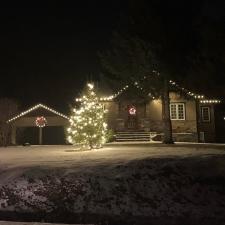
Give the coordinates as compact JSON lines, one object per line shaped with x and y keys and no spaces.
{"x":48,"y":52}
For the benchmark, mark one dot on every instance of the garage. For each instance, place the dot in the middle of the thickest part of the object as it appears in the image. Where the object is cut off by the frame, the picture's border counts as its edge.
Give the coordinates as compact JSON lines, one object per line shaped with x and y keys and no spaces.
{"x":39,"y":124}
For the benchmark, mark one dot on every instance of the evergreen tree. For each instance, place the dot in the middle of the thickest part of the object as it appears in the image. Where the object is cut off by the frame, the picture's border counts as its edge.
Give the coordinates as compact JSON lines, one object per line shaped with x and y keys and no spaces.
{"x":87,"y":124}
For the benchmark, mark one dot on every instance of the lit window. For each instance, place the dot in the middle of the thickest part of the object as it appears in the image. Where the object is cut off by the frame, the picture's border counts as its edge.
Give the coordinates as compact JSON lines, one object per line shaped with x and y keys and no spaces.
{"x":205,"y":114}
{"x":177,"y":111}
{"x":173,"y":111}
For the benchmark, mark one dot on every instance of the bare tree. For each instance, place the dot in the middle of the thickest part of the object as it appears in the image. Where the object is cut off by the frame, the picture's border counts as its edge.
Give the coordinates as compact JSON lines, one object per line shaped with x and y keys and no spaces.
{"x":8,"y":108}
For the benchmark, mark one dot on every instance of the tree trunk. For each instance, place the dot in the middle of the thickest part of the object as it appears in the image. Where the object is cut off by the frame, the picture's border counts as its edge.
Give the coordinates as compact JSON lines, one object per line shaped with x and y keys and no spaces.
{"x":167,"y":126}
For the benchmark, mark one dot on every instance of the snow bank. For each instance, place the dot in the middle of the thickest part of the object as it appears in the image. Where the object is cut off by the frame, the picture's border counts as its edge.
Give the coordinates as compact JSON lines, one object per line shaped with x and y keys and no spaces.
{"x":130,"y":182}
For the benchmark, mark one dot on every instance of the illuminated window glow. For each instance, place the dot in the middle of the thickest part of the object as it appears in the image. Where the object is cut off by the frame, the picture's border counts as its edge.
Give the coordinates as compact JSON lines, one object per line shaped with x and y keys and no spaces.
{"x":177,"y":111}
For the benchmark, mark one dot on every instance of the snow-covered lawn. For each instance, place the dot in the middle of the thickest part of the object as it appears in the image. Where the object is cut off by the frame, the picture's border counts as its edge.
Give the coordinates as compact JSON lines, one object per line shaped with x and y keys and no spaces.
{"x":15,"y":160}
{"x":67,"y":155}
{"x":32,"y":223}
{"x":127,"y":180}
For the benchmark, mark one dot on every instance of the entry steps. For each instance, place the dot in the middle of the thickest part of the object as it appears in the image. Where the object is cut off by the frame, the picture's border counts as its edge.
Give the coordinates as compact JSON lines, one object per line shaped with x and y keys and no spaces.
{"x":134,"y":136}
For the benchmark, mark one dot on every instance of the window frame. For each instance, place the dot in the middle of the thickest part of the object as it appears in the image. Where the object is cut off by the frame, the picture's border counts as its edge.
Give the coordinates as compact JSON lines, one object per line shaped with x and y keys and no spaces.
{"x":209,"y":114}
{"x":177,"y":110}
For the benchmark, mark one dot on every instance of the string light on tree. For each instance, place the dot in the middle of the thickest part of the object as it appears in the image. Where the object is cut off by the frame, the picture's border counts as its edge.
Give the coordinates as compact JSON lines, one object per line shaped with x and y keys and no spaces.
{"x":87,"y":124}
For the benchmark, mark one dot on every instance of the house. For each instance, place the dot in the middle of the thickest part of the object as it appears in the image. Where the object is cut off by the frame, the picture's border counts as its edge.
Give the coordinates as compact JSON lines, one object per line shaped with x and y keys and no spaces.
{"x":192,"y":116}
{"x":192,"y":120}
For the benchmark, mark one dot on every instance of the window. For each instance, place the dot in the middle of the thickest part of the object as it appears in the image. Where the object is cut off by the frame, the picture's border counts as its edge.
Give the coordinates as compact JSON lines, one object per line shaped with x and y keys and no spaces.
{"x":205,"y":114}
{"x":177,"y":111}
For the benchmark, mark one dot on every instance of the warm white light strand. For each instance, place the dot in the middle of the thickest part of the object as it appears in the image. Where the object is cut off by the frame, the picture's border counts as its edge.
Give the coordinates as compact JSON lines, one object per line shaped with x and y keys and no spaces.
{"x":196,"y":96}
{"x":34,"y":108}
{"x":210,"y":101}
{"x":87,"y":124}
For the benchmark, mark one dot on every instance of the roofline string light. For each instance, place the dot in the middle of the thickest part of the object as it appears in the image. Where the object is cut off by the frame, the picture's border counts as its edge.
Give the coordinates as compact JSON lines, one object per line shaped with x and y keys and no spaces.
{"x":173,"y":83}
{"x":109,"y":98}
{"x":34,"y":108}
{"x":192,"y":94}
{"x":210,"y":101}
{"x":196,"y":96}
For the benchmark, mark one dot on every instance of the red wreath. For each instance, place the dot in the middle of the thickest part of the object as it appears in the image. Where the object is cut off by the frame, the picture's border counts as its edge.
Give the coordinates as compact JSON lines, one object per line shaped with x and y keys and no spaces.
{"x":132,"y":110}
{"x":41,"y":121}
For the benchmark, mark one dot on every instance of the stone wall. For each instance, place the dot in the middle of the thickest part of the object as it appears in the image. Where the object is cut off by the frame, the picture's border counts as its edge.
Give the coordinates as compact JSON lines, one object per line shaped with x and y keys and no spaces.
{"x":154,"y":114}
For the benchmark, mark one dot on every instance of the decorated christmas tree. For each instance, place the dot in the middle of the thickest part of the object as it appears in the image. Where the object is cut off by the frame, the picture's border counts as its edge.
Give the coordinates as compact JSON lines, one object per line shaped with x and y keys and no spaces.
{"x":87,"y":124}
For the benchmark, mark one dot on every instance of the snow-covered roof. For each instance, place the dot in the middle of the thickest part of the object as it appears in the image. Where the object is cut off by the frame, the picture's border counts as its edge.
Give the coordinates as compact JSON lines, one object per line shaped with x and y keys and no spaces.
{"x":35,"y":108}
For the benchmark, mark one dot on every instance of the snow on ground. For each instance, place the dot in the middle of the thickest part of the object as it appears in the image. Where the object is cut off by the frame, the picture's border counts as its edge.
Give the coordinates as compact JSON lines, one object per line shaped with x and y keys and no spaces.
{"x":67,"y":155}
{"x":138,"y":179}
{"x":15,"y":160}
{"x":33,"y":223}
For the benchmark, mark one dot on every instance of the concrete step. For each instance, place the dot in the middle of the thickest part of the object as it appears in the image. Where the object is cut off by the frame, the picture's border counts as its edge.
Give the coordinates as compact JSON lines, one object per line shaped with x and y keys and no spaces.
{"x":132,"y":133}
{"x":132,"y":136}
{"x":130,"y":140}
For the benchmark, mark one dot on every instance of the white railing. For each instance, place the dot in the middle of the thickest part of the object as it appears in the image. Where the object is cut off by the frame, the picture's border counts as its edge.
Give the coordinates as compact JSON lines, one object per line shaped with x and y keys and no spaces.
{"x":152,"y":135}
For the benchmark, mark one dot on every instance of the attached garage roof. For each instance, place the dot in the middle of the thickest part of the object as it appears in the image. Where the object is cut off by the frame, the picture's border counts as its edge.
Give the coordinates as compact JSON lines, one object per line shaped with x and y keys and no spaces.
{"x":35,"y":108}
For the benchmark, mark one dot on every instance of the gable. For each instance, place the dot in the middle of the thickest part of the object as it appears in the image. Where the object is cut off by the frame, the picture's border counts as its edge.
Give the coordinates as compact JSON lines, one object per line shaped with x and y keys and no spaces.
{"x":37,"y":110}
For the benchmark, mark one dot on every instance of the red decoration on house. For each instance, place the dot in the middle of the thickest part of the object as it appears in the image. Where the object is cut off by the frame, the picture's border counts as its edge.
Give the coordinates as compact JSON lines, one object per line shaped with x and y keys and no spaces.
{"x":40,"y":121}
{"x":132,"y":111}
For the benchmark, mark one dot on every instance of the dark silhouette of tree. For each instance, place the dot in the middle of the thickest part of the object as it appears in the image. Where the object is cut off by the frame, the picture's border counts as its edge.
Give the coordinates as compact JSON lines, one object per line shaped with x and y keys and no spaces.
{"x":208,"y":62}
{"x":132,"y":61}
{"x":167,"y":27}
{"x":8,"y":108}
{"x":171,"y":38}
